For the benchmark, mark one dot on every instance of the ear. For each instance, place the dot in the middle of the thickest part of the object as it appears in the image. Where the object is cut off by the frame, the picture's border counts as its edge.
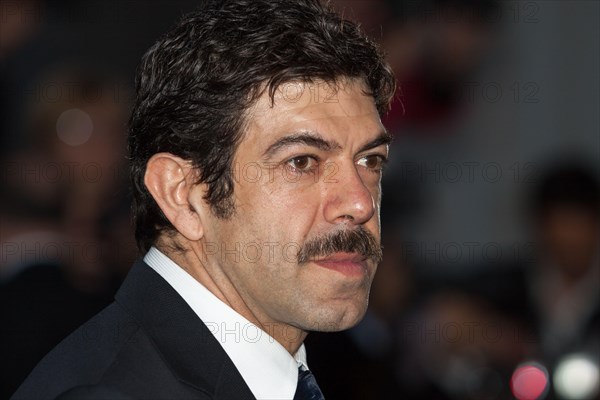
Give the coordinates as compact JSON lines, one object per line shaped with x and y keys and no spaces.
{"x":171,"y":180}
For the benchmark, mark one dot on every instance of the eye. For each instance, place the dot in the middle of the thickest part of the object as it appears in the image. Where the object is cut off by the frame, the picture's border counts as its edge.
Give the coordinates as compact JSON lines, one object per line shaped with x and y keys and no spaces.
{"x":374,"y":162}
{"x":302,"y":163}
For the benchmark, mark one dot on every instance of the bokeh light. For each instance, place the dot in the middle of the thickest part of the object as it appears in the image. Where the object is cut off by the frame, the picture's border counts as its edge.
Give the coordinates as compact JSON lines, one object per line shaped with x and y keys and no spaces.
{"x":74,"y":127}
{"x":576,"y":377}
{"x":529,"y":381}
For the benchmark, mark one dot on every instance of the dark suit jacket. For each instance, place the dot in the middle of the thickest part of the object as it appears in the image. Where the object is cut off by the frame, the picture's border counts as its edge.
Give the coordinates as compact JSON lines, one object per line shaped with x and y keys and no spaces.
{"x":148,"y":344}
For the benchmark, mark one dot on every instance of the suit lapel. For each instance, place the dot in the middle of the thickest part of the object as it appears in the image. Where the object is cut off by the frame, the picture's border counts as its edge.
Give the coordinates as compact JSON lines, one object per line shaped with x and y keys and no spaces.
{"x":179,"y":335}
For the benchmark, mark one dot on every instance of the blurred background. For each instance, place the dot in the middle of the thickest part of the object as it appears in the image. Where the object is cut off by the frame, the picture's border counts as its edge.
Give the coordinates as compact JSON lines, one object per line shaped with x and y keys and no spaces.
{"x":490,"y":284}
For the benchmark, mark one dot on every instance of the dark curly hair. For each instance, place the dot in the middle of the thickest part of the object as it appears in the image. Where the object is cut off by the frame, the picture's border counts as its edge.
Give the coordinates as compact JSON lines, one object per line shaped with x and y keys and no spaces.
{"x":194,"y":85}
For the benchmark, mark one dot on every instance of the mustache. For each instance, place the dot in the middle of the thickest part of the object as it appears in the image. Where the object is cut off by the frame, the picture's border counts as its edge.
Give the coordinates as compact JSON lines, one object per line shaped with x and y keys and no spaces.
{"x":357,"y":240}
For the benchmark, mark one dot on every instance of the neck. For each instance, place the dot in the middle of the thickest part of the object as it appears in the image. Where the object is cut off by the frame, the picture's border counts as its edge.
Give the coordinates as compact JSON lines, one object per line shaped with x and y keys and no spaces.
{"x":215,"y":280}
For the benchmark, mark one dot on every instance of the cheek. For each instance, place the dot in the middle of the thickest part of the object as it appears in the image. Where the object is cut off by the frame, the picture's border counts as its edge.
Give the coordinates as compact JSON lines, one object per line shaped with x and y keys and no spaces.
{"x":274,"y":221}
{"x":290,"y":204}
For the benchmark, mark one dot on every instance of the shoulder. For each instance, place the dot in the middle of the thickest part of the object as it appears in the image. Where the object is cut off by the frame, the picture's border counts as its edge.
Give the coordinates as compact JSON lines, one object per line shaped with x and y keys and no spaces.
{"x":84,"y":356}
{"x":109,"y":357}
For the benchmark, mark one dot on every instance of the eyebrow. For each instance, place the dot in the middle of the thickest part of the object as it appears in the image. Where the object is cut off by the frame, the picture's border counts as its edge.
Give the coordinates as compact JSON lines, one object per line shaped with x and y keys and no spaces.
{"x":384,"y":138}
{"x":308,"y":138}
{"x":314,"y":139}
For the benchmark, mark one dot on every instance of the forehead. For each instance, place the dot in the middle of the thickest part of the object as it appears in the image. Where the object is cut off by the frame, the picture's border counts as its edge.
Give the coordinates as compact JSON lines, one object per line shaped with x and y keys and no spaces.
{"x":342,"y":112}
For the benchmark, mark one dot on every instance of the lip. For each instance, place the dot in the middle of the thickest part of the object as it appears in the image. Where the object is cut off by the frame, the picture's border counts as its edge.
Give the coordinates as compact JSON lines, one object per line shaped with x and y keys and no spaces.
{"x":349,"y":264}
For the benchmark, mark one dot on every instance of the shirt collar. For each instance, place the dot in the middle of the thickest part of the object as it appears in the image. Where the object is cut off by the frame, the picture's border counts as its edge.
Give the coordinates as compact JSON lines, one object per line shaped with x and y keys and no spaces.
{"x":266,"y":366}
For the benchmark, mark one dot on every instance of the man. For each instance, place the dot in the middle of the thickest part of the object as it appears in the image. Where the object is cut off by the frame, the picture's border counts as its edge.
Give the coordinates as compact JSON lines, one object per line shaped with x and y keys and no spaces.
{"x":256,"y":148}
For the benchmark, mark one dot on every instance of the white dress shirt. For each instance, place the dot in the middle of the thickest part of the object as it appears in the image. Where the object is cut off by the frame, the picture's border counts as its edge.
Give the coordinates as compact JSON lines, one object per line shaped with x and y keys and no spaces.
{"x":266,"y":366}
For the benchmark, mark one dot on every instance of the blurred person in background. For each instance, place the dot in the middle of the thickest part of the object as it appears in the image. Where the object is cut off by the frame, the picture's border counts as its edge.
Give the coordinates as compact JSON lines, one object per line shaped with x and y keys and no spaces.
{"x":565,"y":281}
{"x":435,"y":48}
{"x":466,"y":335}
{"x":19,"y":22}
{"x":66,"y":236}
{"x":458,"y":342}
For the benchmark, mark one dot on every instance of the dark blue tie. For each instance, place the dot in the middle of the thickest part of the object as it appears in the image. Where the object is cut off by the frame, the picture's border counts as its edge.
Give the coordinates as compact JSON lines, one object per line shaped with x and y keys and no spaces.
{"x":307,"y":387}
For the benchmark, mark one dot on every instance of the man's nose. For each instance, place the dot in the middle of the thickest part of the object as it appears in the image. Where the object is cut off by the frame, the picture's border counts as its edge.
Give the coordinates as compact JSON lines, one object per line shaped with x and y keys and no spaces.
{"x":347,"y":197}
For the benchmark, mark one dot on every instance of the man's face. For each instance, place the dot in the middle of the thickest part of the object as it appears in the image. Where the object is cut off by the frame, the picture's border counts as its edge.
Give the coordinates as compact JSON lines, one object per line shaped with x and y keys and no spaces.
{"x":307,"y":196}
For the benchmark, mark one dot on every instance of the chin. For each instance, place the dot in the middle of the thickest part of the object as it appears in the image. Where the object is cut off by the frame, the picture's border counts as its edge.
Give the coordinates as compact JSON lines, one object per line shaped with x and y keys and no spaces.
{"x":338,"y":318}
